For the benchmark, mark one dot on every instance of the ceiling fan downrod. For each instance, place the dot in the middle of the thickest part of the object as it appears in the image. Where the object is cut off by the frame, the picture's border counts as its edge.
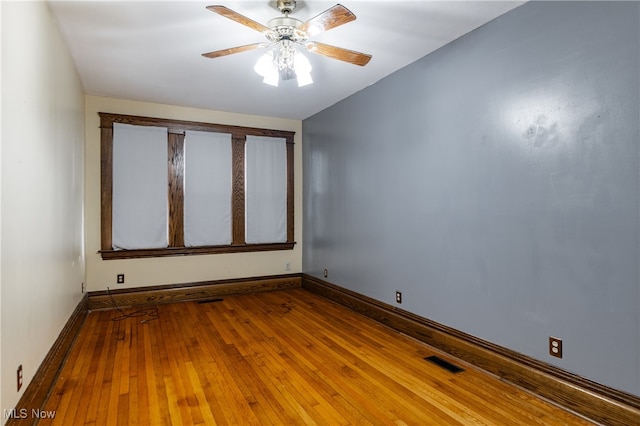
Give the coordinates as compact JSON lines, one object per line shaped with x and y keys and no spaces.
{"x":286,"y":6}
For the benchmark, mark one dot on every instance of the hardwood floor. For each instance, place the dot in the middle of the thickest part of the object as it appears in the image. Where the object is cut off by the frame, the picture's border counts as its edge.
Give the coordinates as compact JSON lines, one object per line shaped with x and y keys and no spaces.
{"x":284,"y":357}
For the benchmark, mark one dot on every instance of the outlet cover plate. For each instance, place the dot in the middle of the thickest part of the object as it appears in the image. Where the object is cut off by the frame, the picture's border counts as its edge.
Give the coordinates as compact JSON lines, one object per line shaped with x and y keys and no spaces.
{"x":19,"y":377}
{"x":555,"y":347}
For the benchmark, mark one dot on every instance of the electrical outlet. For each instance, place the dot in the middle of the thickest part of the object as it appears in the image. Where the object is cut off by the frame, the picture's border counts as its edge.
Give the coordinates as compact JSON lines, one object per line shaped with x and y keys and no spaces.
{"x":325,"y":272}
{"x":82,"y":287}
{"x":287,"y":266}
{"x":398,"y":297}
{"x":120,"y":279}
{"x":555,"y":347}
{"x":19,"y":377}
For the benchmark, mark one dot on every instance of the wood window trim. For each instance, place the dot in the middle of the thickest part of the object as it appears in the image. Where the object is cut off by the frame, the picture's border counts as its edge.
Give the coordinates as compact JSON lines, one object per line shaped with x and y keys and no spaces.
{"x":176,"y":132}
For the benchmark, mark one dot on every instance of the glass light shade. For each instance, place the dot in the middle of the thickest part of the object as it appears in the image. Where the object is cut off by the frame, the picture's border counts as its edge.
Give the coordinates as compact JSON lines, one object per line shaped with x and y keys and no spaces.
{"x":303,"y":69}
{"x":301,"y":63}
{"x":264,"y":64}
{"x":304,"y":79}
{"x":272,"y":77}
{"x":267,"y":69}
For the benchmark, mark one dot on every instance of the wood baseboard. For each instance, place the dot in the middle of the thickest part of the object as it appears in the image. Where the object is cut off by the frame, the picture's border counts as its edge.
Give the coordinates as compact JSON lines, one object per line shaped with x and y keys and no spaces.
{"x":597,"y":402}
{"x":190,"y":291}
{"x":37,"y":392}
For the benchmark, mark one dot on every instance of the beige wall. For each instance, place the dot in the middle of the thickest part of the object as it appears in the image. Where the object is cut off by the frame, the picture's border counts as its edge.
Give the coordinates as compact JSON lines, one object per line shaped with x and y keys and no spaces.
{"x":181,"y":269}
{"x":42,"y":257}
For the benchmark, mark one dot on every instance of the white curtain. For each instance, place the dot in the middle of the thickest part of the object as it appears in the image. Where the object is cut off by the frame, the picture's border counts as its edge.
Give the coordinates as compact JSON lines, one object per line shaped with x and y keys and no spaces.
{"x":266,"y":189}
{"x":140,"y":186}
{"x":207,"y":189}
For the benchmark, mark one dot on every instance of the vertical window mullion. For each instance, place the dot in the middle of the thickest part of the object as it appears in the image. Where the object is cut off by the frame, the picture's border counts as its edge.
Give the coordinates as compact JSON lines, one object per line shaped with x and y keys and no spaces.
{"x":290,"y":191}
{"x":238,"y":193}
{"x":176,"y":189}
{"x":106,"y":176}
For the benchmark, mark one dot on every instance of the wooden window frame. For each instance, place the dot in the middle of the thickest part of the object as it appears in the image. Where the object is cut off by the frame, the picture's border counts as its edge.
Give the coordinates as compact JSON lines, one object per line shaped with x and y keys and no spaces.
{"x":175,"y":143}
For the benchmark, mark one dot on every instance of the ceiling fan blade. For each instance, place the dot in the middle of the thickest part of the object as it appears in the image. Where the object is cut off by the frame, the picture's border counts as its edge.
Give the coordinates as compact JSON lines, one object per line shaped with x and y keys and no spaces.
{"x":330,"y":18}
{"x":235,"y":16}
{"x":232,"y":50}
{"x":339,"y":53}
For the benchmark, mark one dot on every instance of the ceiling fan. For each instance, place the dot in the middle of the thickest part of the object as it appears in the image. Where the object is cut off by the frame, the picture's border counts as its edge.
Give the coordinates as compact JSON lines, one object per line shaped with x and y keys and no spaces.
{"x":287,"y":36}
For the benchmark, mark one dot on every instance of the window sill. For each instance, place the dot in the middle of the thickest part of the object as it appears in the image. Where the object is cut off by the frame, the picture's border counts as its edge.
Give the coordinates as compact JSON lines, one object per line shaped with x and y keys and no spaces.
{"x":189,"y":251}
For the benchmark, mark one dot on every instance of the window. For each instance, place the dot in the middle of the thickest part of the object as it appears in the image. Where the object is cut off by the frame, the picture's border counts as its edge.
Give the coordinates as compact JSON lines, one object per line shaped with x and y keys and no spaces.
{"x":174,"y":187}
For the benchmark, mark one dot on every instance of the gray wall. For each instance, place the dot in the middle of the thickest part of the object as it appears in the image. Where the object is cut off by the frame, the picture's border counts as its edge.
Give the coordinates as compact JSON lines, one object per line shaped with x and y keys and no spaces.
{"x":496,"y":183}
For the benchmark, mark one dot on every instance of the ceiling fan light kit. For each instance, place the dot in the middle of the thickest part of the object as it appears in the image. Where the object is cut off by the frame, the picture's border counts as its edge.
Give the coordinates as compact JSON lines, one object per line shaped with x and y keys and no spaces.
{"x":287,"y":38}
{"x":284,"y":63}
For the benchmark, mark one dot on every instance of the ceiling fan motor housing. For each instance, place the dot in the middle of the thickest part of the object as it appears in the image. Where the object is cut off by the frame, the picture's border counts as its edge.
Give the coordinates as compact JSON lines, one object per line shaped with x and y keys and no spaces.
{"x":284,"y":27}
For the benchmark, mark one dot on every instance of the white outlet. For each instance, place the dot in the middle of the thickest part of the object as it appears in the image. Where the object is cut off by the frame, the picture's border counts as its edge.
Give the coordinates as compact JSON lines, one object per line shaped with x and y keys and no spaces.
{"x":287,"y":266}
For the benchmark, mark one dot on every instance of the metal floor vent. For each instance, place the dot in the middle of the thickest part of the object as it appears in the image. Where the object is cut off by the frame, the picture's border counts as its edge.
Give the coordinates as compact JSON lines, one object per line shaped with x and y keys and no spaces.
{"x":210,"y":300}
{"x":444,"y":364}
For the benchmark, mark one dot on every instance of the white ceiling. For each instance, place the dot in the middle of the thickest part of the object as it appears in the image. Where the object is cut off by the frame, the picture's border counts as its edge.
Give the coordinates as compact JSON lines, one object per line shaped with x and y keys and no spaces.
{"x":151,"y":51}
